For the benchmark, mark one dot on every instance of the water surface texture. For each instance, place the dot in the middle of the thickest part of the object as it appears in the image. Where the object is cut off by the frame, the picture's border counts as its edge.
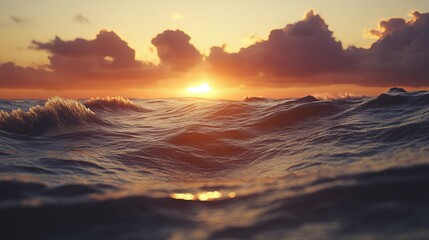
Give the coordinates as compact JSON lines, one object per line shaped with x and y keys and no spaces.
{"x":113,"y":168}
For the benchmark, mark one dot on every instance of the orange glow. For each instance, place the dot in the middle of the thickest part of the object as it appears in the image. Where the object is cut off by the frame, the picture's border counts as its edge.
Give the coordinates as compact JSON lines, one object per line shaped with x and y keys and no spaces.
{"x":232,"y":195}
{"x":201,"y":89}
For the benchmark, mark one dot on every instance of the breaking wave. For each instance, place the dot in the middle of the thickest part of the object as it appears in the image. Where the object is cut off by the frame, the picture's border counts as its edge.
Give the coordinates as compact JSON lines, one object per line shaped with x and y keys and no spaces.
{"x":56,"y":113}
{"x":111,"y":103}
{"x":59,"y":113}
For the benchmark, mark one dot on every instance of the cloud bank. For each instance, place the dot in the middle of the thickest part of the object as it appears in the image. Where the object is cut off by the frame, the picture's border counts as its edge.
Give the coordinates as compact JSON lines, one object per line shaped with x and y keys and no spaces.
{"x":303,"y":49}
{"x":104,"y":62}
{"x":301,"y":53}
{"x":307,"y":52}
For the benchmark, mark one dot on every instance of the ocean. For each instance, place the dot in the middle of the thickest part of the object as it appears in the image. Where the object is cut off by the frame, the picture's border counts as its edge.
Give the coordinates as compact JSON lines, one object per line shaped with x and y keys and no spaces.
{"x":190,"y":168}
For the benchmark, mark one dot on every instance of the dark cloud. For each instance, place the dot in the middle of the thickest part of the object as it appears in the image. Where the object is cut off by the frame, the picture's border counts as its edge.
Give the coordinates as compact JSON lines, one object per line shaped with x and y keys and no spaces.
{"x":388,"y":27}
{"x":79,"y":18}
{"x":302,"y":49}
{"x":401,"y":54}
{"x":175,"y":50}
{"x":306,"y":52}
{"x":20,"y":21}
{"x":105,"y":61}
{"x":107,"y":50}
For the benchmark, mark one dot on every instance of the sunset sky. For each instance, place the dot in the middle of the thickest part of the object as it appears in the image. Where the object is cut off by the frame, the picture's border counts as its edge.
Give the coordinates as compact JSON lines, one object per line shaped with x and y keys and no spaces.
{"x":163,"y":48}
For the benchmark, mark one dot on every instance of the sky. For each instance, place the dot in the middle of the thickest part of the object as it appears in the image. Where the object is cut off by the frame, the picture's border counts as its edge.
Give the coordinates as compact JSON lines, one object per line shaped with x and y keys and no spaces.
{"x":161,"y":48}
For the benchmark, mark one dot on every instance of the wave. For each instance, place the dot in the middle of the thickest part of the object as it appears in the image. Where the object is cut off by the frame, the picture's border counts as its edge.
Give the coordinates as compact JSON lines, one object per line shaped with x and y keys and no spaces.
{"x":340,"y":96}
{"x":111,"y":103}
{"x":57,"y":112}
{"x":307,"y":99}
{"x":373,"y":203}
{"x":254,"y":99}
{"x":297,"y":114}
{"x":397,"y":90}
{"x":397,"y":97}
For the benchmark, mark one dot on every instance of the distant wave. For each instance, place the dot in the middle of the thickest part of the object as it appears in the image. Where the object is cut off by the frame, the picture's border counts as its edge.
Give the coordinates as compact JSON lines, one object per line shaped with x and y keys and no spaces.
{"x":254,"y":99}
{"x":307,"y":99}
{"x":57,"y":112}
{"x":111,"y":103}
{"x":397,"y":97}
{"x":397,"y":90}
{"x":344,"y":96}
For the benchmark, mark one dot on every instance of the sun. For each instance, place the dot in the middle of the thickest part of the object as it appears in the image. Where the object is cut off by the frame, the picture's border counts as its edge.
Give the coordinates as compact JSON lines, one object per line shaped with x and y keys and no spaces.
{"x":201,"y":89}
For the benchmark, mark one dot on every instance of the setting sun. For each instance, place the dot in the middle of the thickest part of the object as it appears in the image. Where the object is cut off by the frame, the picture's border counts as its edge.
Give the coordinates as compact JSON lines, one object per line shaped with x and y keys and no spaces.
{"x":203,"y":88}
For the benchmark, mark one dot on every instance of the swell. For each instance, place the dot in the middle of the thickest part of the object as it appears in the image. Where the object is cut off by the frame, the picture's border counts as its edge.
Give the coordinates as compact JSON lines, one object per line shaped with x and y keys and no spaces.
{"x":279,"y":118}
{"x":115,"y":181}
{"x":387,"y":201}
{"x":229,"y":110}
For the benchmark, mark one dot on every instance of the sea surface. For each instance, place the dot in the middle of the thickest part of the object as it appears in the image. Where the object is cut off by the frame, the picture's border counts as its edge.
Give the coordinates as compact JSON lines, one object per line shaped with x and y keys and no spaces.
{"x":188,"y":168}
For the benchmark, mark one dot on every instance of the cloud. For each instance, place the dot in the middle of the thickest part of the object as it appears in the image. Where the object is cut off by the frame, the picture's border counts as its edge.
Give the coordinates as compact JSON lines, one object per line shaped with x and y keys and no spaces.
{"x":106,"y":61}
{"x":20,"y":21}
{"x":388,"y":27}
{"x":79,"y":18}
{"x":107,"y":50}
{"x":401,"y":54}
{"x":307,"y":53}
{"x":13,"y":76}
{"x":176,"y":51}
{"x":303,"y":49}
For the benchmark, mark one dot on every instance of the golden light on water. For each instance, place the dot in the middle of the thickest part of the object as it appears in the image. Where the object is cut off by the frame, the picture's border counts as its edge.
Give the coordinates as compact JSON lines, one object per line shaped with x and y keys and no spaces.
{"x":183,"y":196}
{"x":232,"y":195}
{"x":201,"y":89}
{"x":201,"y":196}
{"x":207,"y":196}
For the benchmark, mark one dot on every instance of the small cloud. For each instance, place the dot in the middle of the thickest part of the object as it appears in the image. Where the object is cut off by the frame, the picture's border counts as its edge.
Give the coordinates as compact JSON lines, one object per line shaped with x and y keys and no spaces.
{"x":79,"y":18}
{"x":175,"y":50}
{"x":177,"y":16}
{"x":20,"y":21}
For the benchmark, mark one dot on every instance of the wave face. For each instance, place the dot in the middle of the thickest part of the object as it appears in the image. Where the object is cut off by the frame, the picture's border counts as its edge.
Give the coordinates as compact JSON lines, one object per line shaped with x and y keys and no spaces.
{"x":111,"y":168}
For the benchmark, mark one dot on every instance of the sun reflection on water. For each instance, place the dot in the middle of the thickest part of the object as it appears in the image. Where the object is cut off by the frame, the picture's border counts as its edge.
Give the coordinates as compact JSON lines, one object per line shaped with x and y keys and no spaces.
{"x":201,"y":196}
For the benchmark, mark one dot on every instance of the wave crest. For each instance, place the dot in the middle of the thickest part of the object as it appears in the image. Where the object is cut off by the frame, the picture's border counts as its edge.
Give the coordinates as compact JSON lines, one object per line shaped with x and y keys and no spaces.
{"x":112,"y":103}
{"x":57,"y":112}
